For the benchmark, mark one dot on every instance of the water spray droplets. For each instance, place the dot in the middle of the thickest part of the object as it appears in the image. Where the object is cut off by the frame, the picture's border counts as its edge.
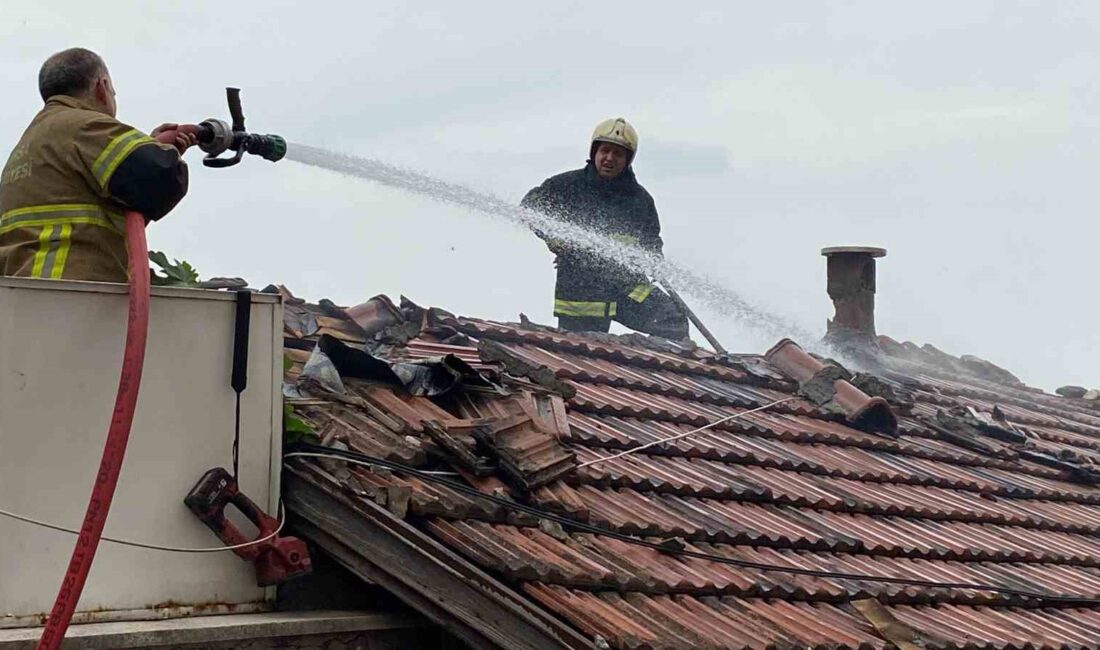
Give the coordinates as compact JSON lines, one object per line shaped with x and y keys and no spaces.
{"x":720,"y":299}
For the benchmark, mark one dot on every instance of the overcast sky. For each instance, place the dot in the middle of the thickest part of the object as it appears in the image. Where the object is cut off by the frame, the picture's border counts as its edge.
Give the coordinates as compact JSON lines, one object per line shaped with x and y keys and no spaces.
{"x":961,"y":136}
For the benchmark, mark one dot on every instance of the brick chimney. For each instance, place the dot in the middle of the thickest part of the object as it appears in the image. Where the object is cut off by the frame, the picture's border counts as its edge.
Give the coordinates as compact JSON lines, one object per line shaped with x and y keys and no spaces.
{"x":851,"y":285}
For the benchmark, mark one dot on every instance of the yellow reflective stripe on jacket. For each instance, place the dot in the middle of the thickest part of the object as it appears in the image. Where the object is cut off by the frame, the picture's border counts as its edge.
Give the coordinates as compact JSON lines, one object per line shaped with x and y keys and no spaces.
{"x":584,"y":308}
{"x":56,"y":266}
{"x":55,"y":238}
{"x":38,"y":216}
{"x":53,"y":250}
{"x":624,"y":238}
{"x":115,"y":152}
{"x":641,"y":292}
{"x":43,"y":249}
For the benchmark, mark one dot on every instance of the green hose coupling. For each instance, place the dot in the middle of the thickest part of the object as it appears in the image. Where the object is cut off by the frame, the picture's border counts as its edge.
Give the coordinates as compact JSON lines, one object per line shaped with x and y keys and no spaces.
{"x":276,"y":148}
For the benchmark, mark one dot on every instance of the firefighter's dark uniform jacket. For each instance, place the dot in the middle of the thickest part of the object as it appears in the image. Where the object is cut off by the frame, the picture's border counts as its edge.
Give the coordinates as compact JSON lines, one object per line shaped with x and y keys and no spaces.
{"x":66,"y":185}
{"x":589,"y":285}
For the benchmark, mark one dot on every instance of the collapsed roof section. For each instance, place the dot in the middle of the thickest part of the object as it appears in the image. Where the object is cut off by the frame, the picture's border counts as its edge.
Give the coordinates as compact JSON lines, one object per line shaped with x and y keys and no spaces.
{"x":604,"y":491}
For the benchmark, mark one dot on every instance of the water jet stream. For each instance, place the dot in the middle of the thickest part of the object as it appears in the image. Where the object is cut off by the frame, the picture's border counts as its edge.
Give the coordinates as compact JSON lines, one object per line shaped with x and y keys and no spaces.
{"x":720,"y":299}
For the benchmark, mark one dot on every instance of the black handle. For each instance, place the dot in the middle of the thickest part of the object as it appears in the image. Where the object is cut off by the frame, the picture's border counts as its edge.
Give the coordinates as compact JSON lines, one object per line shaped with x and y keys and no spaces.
{"x":235,"y":111}
{"x":216,"y":162}
{"x":239,"y":380}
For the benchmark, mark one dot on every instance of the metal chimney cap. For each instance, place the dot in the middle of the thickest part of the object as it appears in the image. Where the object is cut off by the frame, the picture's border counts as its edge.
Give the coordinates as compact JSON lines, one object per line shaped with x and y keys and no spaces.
{"x":863,"y":250}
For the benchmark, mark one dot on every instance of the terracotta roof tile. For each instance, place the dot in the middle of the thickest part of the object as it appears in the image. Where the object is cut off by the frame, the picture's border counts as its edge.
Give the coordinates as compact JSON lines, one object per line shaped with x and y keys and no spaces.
{"x":718,"y":622}
{"x":793,"y":486}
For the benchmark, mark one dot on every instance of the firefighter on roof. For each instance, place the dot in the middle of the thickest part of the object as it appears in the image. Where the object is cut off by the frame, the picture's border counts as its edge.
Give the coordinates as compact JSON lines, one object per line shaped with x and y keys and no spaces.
{"x":604,"y":196}
{"x":74,"y":172}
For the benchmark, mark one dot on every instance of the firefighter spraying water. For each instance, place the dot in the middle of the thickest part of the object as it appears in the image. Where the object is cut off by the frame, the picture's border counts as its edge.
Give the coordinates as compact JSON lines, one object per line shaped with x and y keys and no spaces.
{"x":81,"y":186}
{"x":77,"y":169}
{"x":75,"y":198}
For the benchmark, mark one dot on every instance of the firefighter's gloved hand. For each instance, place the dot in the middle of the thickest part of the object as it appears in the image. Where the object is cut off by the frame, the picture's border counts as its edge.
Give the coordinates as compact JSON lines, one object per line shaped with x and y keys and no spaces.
{"x":183,"y":141}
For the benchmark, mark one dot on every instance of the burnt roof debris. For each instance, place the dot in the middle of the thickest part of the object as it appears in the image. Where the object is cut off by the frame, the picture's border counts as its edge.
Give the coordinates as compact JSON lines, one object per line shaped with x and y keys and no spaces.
{"x":899,"y":393}
{"x":517,"y":365}
{"x":1080,"y":393}
{"x":333,"y":360}
{"x":983,"y":481}
{"x":909,"y":358}
{"x":1072,"y":392}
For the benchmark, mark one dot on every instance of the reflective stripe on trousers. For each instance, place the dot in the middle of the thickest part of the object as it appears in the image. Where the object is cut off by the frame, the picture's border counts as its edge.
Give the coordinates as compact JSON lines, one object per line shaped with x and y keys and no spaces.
{"x":585,"y":308}
{"x":55,"y":237}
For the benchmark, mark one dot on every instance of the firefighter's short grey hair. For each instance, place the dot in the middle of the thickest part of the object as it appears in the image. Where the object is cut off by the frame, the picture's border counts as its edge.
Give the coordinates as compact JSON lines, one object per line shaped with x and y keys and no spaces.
{"x":70,"y":72}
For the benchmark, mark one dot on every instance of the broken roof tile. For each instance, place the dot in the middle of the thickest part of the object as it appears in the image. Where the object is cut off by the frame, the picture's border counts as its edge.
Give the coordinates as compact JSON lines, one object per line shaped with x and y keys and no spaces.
{"x":792,"y":486}
{"x":529,"y":455}
{"x":862,"y":411}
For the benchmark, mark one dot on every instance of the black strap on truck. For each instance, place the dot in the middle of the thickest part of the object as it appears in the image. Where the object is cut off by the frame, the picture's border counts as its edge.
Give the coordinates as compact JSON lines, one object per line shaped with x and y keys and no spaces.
{"x":239,"y":379}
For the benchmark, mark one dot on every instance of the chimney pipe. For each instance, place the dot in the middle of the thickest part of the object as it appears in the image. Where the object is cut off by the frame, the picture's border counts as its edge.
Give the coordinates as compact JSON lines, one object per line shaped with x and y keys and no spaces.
{"x":851,"y":285}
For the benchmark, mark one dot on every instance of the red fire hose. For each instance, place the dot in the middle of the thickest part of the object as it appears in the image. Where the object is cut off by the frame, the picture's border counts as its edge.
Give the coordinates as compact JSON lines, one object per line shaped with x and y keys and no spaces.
{"x":103,"y":491}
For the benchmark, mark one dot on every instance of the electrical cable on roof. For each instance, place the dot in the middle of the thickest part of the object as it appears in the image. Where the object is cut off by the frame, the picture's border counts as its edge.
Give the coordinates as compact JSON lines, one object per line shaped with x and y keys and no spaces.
{"x":686,"y":434}
{"x":155,"y":547}
{"x":318,"y":451}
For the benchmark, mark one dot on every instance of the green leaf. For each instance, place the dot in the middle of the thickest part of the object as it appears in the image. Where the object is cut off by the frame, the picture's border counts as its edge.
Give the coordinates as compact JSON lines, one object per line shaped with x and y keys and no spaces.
{"x":158,"y":258}
{"x":176,"y":273}
{"x":295,"y":429}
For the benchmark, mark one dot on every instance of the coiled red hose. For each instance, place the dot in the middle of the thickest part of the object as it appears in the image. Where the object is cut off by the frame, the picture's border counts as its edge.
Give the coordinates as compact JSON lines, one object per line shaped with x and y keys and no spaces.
{"x":103,"y":491}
